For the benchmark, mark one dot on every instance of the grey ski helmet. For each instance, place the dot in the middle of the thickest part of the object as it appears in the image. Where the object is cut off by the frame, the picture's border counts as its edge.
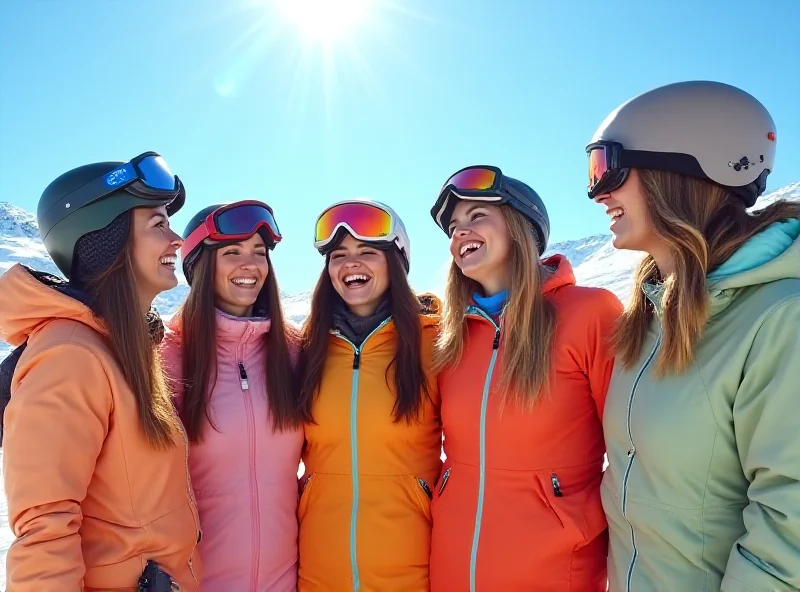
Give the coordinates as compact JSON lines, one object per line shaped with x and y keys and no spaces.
{"x":88,"y":198}
{"x":704,"y":129}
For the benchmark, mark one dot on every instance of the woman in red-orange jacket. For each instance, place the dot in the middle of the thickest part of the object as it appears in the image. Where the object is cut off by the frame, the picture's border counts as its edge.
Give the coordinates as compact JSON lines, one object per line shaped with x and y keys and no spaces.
{"x":525,"y":365}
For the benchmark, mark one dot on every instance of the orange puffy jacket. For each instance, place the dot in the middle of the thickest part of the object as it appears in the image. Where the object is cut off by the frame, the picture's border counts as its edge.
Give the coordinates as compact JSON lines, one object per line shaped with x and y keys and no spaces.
{"x":365,"y":522}
{"x":518,"y":504}
{"x":89,"y":500}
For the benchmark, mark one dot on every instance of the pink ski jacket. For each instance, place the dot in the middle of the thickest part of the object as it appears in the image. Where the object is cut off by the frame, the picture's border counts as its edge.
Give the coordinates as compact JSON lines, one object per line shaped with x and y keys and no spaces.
{"x":244,"y":475}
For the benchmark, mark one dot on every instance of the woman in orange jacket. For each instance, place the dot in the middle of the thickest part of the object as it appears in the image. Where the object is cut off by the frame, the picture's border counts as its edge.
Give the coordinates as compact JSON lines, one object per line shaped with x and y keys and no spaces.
{"x":373,"y":433}
{"x":525,"y":368}
{"x":95,"y":459}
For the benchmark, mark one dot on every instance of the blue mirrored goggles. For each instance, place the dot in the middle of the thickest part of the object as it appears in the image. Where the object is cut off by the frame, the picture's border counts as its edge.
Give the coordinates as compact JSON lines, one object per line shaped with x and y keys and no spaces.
{"x":147,"y":176}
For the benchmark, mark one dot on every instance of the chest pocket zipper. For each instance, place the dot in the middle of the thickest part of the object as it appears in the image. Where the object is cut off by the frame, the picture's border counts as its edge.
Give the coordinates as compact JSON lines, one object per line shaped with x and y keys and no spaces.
{"x":445,"y":477}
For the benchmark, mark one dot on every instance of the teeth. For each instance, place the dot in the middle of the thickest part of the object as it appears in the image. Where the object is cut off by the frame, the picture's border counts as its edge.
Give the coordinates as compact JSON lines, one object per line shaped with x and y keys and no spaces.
{"x":355,"y":278}
{"x":168,"y":260}
{"x":469,"y":247}
{"x":615,"y":213}
{"x":244,"y":281}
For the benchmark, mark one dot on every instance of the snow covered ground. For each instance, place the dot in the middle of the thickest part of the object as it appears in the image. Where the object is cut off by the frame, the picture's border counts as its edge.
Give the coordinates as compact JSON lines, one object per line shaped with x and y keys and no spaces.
{"x":594,"y":259}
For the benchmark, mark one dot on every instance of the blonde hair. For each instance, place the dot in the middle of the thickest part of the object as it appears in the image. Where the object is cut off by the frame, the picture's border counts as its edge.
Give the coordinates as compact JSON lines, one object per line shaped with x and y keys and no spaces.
{"x":702,"y":225}
{"x":529,"y":321}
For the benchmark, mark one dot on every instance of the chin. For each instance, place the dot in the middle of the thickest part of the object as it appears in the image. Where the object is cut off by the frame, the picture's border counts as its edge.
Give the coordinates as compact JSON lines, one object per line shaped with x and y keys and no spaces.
{"x":164,"y":284}
{"x":473,"y":273}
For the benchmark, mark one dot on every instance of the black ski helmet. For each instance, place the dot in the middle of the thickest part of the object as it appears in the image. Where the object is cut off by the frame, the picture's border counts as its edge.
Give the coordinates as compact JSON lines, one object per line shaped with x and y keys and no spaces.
{"x":517,"y":194}
{"x":63,"y":221}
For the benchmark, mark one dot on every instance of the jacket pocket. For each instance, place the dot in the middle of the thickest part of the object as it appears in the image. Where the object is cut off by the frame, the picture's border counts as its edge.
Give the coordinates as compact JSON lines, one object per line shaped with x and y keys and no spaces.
{"x":576,"y":506}
{"x":423,"y":495}
{"x":305,"y":484}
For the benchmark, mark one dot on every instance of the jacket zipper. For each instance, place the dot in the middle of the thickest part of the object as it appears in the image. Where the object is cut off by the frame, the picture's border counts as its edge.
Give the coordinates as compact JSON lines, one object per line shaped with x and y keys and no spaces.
{"x":255,"y":531}
{"x":631,"y":455}
{"x":473,"y":560}
{"x":354,"y":448}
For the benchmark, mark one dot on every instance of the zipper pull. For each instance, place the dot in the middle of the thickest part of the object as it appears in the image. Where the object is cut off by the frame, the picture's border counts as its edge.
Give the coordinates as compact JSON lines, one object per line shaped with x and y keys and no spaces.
{"x":445,"y":477}
{"x":556,"y":485}
{"x":496,"y":342}
{"x":425,"y":487}
{"x":243,"y":377}
{"x":356,"y":359}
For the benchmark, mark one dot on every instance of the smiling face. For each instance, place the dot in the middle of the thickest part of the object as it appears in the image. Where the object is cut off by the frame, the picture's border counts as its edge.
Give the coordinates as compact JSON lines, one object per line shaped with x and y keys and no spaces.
{"x":630,"y":220}
{"x":360,"y":274}
{"x":153,"y":253}
{"x":480,"y":244}
{"x":240,"y":272}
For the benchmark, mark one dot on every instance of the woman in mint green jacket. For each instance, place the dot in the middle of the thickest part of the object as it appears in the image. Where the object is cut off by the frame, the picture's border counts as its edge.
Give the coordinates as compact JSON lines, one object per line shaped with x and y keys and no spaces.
{"x":702,"y":491}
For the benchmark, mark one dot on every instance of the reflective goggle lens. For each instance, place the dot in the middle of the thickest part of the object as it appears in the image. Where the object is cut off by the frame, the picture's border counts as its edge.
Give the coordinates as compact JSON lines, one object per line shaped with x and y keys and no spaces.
{"x":605,"y":172}
{"x":245,"y":220}
{"x":598,"y":166}
{"x":476,"y":179}
{"x":365,"y":220}
{"x":156,"y":174}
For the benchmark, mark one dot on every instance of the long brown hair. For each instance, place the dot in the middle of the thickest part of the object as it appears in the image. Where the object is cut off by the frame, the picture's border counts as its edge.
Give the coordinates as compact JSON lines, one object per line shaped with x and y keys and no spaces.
{"x":116,"y":301}
{"x":409,"y":380}
{"x":702,"y":224}
{"x":197,"y":317}
{"x":529,"y":321}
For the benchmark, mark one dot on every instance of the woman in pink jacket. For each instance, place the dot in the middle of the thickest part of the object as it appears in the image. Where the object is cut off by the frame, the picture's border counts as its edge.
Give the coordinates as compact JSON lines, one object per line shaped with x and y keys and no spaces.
{"x":230,"y":354}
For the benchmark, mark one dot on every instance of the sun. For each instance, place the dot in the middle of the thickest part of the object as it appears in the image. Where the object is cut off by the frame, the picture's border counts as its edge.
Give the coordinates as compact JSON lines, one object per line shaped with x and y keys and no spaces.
{"x":324,"y":21}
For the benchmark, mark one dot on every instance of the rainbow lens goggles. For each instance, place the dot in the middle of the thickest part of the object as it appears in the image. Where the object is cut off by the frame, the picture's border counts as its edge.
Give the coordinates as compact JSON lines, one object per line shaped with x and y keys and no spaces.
{"x":367,"y":221}
{"x":474,"y":183}
{"x":234,"y":222}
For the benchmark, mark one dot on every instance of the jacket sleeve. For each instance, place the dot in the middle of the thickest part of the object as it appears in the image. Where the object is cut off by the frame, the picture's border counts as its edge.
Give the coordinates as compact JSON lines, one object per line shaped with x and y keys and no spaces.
{"x":598,"y":362}
{"x":56,"y":423}
{"x":765,"y":422}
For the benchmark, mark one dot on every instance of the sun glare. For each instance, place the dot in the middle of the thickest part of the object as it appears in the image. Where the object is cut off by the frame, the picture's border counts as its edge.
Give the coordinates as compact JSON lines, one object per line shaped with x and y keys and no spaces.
{"x":324,"y":21}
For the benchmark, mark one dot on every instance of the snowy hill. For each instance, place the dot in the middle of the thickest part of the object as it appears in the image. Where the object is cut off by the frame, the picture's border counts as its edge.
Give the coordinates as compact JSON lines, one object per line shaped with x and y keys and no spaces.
{"x":595,"y":260}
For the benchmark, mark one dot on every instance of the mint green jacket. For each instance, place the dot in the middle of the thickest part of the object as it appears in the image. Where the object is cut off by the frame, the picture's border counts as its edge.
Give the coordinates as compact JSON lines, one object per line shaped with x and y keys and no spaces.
{"x":702,"y":491}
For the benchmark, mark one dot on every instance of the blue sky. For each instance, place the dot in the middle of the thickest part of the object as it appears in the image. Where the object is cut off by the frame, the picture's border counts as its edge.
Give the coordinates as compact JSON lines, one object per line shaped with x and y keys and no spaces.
{"x":241,"y":105}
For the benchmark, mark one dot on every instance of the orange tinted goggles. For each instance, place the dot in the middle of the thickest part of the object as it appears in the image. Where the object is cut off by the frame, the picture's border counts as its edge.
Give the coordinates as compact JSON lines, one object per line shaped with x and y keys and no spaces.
{"x":363,"y":220}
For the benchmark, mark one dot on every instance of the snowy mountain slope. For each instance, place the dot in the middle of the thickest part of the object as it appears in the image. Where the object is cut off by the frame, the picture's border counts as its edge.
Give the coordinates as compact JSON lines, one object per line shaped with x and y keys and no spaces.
{"x":594,"y":258}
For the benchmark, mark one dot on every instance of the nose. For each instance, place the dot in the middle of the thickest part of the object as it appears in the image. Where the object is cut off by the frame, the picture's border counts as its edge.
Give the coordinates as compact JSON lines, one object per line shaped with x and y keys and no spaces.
{"x":175,"y":239}
{"x":351,"y":262}
{"x":460,"y":231}
{"x":599,"y":199}
{"x":249,"y":261}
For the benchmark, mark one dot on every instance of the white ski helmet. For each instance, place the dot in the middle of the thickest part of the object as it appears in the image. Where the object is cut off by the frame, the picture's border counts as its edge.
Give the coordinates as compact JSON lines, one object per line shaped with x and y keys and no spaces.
{"x":703,"y":129}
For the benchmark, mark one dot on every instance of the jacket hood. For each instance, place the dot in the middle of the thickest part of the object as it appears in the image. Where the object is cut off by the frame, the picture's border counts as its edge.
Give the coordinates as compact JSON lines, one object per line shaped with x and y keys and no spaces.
{"x":430,"y":313}
{"x":562,"y":276}
{"x":773,"y":254}
{"x":30,"y":299}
